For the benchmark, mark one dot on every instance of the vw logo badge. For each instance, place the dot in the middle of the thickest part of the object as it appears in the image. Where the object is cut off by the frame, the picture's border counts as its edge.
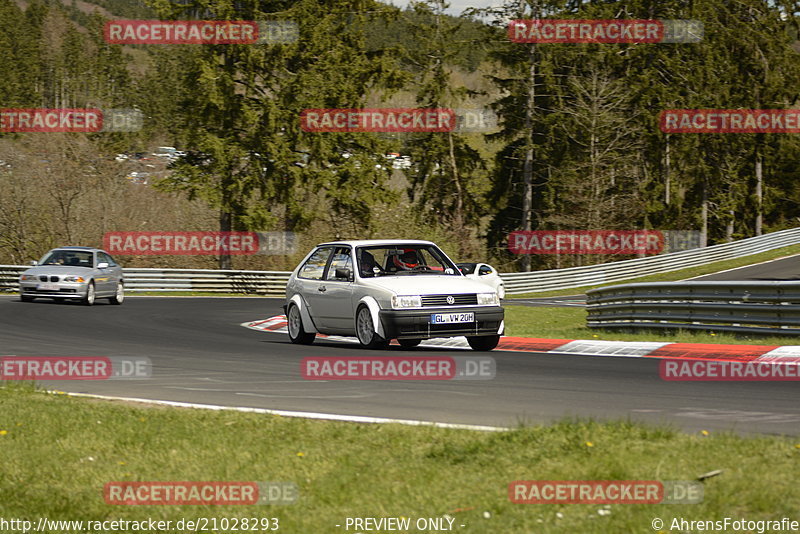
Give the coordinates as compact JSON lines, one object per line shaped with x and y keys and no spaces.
{"x":451,"y":300}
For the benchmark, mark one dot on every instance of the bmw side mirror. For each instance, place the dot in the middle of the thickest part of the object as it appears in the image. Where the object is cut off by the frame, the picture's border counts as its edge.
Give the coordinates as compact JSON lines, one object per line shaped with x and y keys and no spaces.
{"x":102,"y":265}
{"x":344,"y":274}
{"x":34,"y":263}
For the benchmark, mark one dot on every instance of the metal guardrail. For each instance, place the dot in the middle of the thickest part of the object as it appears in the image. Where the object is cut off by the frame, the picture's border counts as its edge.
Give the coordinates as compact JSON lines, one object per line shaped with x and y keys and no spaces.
{"x":274,"y":282}
{"x":753,"y":307}
{"x":538,"y":281}
{"x":268,"y":283}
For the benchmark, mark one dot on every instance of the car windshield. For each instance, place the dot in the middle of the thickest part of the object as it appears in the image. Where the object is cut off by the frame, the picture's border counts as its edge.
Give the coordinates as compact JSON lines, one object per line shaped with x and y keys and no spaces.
{"x":411,"y":259}
{"x":68,"y":258}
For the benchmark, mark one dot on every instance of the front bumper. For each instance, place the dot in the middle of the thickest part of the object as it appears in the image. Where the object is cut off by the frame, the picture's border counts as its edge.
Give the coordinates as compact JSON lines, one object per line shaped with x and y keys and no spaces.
{"x":65,"y":290}
{"x":416,"y":323}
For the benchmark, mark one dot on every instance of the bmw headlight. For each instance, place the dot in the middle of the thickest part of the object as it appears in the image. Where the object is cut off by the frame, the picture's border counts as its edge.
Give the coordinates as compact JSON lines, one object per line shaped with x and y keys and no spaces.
{"x":28,"y":277}
{"x":488,"y":299}
{"x":78,"y":279}
{"x":406,"y":301}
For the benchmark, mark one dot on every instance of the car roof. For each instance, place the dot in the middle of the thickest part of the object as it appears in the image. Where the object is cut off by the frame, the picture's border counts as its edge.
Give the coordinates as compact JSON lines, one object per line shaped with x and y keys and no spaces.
{"x":377,"y":242}
{"x":78,"y":248}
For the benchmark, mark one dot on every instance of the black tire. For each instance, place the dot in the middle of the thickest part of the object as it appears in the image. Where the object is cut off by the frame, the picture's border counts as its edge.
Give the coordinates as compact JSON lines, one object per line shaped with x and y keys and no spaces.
{"x":24,"y":298}
{"x":119,"y":296}
{"x":89,"y":299}
{"x":409,"y":343}
{"x":295,"y":327}
{"x":483,"y":343}
{"x":365,"y":330}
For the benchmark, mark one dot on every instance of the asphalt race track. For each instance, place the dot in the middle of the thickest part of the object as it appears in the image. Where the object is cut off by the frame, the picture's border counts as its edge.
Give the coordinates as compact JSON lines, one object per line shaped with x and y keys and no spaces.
{"x":201,"y":354}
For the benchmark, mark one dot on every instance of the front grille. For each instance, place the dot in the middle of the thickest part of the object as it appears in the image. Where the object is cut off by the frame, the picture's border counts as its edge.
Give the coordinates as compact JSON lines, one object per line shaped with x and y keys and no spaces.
{"x":43,"y":278}
{"x":441,"y":300}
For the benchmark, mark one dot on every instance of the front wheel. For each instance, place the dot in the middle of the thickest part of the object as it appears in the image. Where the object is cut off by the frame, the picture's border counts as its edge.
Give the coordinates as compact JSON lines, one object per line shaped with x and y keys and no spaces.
{"x":88,"y":300}
{"x":483,"y":343}
{"x":25,"y":298}
{"x":295,"y":323}
{"x":119,"y":296}
{"x":365,"y":330}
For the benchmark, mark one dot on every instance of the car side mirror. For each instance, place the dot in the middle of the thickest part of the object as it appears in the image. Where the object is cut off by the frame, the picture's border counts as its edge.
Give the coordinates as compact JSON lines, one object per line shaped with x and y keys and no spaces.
{"x":102,"y":265}
{"x":34,"y":263}
{"x":343,"y":274}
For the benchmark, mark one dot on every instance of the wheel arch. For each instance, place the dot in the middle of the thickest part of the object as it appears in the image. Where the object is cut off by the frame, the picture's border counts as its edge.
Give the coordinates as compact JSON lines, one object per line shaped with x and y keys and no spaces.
{"x":308,"y":323}
{"x":374,"y":311}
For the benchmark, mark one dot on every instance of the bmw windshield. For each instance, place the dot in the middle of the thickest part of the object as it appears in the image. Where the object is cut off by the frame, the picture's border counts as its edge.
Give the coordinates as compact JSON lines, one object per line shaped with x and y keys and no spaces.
{"x":400,"y":260}
{"x":69,"y":258}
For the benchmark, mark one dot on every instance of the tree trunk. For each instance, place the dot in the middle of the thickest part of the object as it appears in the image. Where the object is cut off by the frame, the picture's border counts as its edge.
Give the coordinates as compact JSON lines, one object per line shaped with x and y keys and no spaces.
{"x":759,"y":190}
{"x":527,"y":170}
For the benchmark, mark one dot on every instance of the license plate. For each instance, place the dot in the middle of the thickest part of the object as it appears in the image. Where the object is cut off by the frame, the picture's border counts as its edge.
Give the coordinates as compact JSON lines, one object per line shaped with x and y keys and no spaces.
{"x":450,"y":318}
{"x":48,"y":287}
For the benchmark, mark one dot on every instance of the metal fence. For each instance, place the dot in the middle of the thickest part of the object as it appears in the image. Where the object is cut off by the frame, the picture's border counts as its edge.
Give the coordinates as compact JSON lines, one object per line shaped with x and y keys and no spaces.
{"x":754,"y":307}
{"x":274,"y":282}
{"x":590,"y":275}
{"x":270,"y":283}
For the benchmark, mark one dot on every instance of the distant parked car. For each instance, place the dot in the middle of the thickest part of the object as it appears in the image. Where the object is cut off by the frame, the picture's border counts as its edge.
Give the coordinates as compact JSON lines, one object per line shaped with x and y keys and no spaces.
{"x":81,"y":273}
{"x":389,"y":289}
{"x":485,"y":273}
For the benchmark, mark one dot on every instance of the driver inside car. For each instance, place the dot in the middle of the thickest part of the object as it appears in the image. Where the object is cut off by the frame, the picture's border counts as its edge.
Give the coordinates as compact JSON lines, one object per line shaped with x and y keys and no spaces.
{"x":406,"y":261}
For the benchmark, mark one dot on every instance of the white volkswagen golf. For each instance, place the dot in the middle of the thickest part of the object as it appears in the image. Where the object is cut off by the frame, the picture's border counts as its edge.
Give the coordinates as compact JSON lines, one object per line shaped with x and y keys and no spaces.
{"x":389,"y":289}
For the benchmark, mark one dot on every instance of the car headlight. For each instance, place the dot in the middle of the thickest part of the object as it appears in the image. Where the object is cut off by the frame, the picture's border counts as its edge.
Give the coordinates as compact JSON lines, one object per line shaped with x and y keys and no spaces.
{"x":406,"y":301}
{"x":488,"y":299}
{"x":78,"y":279}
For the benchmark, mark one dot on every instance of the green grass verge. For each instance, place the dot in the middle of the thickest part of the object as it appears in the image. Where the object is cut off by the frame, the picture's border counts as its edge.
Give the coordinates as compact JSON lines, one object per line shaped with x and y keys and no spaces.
{"x":682,"y":274}
{"x":570,"y":323}
{"x":59,"y":451}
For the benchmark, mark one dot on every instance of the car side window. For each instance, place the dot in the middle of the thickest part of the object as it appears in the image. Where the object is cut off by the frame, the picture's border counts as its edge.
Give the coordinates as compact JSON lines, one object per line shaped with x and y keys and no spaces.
{"x":485,"y":269}
{"x":341,"y":260}
{"x":314,"y":267}
{"x":109,"y":259}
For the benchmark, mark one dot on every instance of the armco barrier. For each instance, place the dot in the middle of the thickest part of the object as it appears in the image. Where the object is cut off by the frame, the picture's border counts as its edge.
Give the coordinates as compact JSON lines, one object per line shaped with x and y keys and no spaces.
{"x":274,"y":282}
{"x":537,"y":281}
{"x":269,"y":283}
{"x":754,"y":307}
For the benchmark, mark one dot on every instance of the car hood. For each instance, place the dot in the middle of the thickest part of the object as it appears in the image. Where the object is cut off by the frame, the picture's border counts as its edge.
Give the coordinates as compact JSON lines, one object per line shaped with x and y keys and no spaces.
{"x":426,"y":284}
{"x":60,"y":270}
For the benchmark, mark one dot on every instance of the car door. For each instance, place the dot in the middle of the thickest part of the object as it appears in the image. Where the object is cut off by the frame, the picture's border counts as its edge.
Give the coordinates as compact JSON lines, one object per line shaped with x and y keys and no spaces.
{"x":311,"y":284}
{"x":115,"y":271}
{"x":335,"y":303}
{"x":103,"y":277}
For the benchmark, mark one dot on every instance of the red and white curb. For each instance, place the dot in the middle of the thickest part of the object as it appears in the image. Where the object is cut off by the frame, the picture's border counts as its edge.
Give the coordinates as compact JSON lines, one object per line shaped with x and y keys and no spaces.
{"x":628,"y":349}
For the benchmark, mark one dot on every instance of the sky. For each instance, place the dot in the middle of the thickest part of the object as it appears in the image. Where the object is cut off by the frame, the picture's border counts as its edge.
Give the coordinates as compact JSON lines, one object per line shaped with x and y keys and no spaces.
{"x":456,"y":6}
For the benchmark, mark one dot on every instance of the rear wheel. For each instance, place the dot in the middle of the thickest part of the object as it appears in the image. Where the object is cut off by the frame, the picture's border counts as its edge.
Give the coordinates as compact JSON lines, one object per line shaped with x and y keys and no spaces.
{"x":365,"y":330}
{"x":295,"y":323}
{"x":483,"y":343}
{"x":88,"y":300}
{"x":409,"y":343}
{"x":119,"y":296}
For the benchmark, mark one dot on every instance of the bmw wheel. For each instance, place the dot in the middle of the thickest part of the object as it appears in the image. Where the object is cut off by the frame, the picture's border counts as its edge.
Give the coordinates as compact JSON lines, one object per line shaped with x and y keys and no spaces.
{"x":119,"y":296}
{"x":88,"y":300}
{"x":365,"y":330}
{"x":295,"y":323}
